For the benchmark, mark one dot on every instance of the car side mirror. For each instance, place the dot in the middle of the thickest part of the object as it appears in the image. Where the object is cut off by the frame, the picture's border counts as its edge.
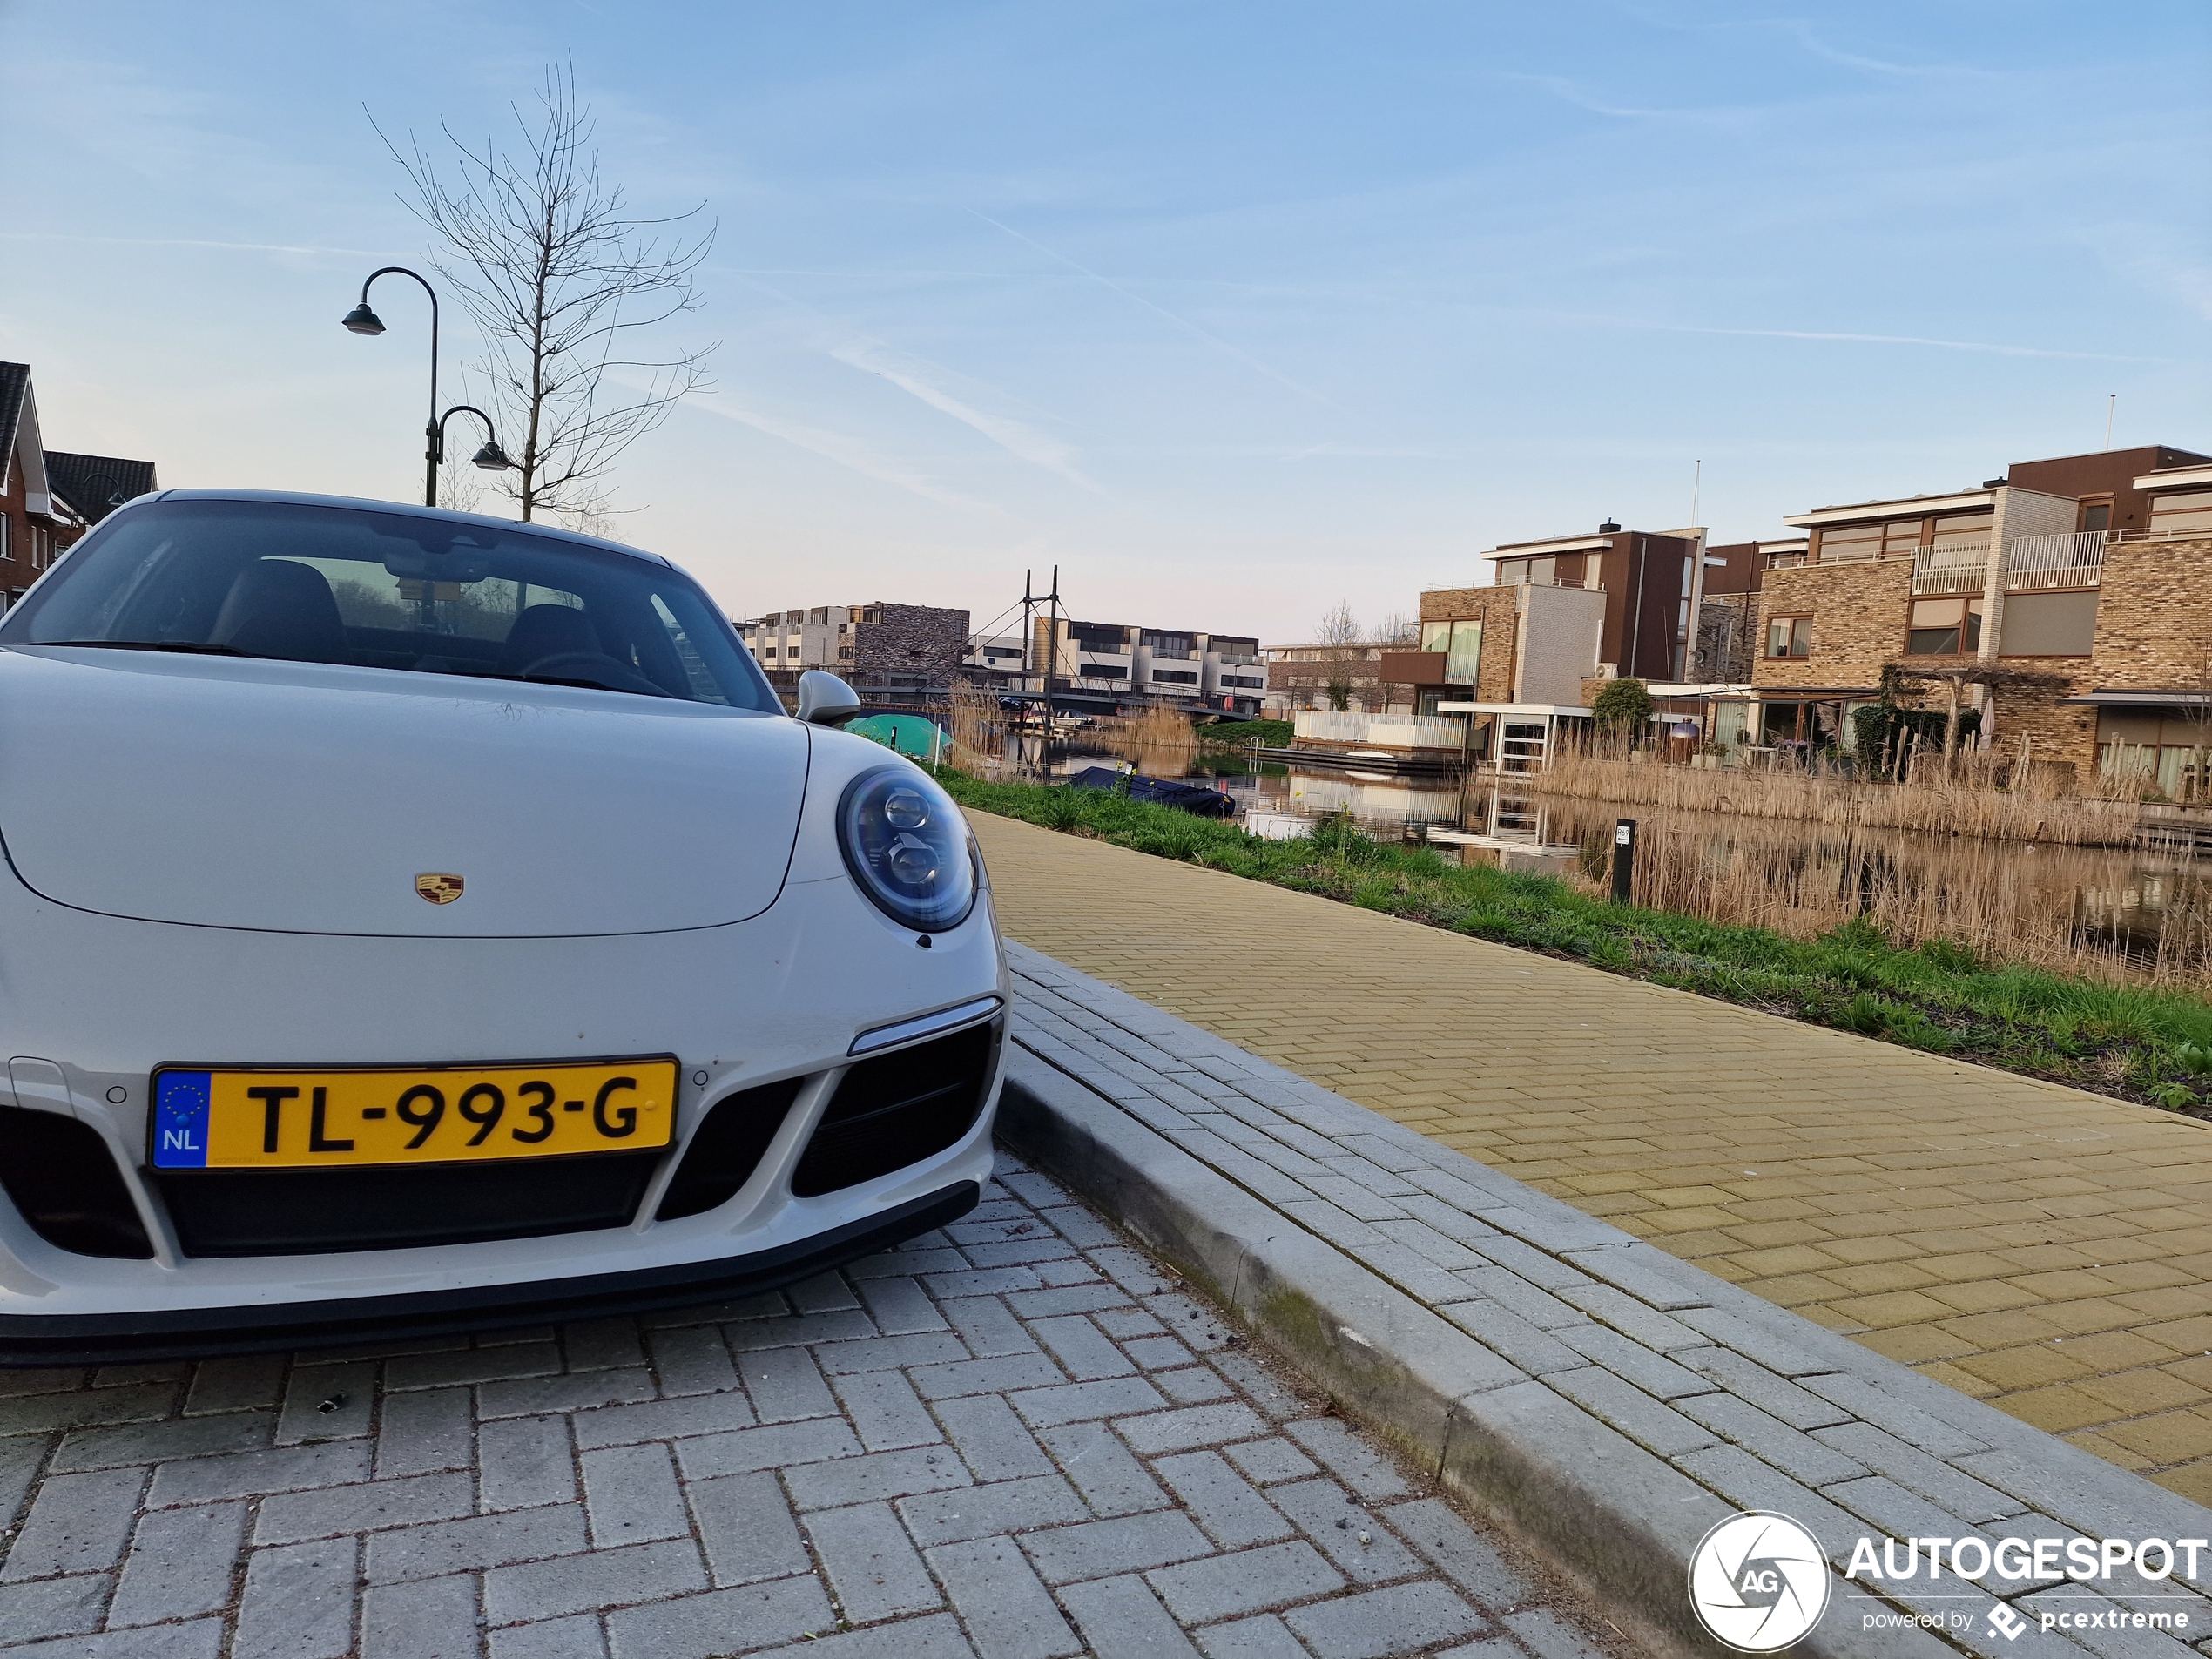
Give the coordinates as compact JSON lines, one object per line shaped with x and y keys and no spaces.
{"x":824,"y":699}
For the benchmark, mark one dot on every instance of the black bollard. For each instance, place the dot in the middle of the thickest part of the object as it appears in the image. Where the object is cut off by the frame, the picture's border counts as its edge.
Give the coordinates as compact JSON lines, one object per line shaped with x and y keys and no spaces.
{"x":1624,"y":861}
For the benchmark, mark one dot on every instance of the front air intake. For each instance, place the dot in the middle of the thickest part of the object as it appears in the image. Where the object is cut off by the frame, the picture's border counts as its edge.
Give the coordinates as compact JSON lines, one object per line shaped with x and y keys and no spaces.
{"x":899,"y":1109}
{"x":57,"y":1172}
{"x":727,"y":1147}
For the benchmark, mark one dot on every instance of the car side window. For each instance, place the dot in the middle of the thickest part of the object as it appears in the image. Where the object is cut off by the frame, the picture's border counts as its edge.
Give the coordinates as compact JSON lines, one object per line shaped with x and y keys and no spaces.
{"x":703,"y":689}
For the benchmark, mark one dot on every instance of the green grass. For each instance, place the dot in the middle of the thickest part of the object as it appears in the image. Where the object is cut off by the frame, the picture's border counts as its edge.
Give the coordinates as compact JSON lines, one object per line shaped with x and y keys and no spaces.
{"x":2134,"y":1041}
{"x":1273,"y":734}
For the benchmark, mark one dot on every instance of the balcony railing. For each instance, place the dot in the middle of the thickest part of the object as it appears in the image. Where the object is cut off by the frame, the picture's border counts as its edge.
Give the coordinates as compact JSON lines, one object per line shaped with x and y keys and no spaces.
{"x":2075,"y":561}
{"x":1951,"y":567}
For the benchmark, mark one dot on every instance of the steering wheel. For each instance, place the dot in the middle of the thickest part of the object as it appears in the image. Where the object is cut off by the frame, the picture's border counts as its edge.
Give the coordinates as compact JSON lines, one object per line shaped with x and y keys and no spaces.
{"x":595,"y":666}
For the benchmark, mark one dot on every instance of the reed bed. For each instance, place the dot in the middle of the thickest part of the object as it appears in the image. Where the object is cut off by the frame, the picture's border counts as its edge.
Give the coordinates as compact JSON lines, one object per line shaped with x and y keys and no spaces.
{"x":978,"y":726}
{"x":1152,"y":727}
{"x":2114,"y":918}
{"x":1965,"y":801}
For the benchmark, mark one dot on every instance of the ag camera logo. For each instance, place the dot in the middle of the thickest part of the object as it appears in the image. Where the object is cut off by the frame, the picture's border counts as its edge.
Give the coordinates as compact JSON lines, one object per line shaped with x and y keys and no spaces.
{"x":1758,"y":1582}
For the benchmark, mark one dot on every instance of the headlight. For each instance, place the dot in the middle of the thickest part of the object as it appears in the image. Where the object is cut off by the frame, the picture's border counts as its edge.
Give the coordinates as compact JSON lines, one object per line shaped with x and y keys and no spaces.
{"x":906,"y":845}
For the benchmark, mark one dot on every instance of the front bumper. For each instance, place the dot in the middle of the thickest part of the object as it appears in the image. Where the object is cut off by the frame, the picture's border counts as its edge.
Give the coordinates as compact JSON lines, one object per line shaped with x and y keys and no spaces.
{"x":763,"y":1010}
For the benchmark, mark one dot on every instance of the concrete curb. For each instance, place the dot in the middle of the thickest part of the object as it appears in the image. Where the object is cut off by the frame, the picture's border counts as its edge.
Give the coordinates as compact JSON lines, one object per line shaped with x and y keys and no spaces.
{"x":1620,"y":1520}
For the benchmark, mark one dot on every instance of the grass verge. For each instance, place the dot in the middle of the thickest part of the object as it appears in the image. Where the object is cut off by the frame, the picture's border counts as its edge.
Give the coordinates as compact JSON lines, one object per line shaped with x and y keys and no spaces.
{"x":2138,"y":1043}
{"x":1272,"y":734}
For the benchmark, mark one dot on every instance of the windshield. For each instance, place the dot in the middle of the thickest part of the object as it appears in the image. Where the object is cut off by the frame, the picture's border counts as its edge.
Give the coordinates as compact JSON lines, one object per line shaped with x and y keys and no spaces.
{"x":432,"y":596}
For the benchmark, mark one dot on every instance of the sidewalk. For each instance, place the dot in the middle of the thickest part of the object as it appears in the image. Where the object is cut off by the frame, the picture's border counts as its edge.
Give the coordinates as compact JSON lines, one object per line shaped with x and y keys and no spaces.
{"x":2043,"y":1249}
{"x":1016,"y":1437}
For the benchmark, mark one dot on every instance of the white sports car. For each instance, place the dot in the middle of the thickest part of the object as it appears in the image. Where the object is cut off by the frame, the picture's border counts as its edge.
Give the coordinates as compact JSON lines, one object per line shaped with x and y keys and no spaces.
{"x":416,"y":920}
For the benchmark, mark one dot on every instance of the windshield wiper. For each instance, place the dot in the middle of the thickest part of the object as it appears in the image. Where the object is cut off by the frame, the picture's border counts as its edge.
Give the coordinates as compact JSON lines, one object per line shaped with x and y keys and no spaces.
{"x":146,"y":644}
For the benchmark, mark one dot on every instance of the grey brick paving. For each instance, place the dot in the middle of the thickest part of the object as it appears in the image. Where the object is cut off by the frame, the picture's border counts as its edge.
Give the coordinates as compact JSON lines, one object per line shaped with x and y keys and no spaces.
{"x":946,"y":1451}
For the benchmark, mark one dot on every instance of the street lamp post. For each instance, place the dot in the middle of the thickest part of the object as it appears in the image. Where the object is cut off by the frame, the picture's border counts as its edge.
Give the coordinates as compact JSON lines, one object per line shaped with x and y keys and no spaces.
{"x":361,"y":321}
{"x":491,"y":458}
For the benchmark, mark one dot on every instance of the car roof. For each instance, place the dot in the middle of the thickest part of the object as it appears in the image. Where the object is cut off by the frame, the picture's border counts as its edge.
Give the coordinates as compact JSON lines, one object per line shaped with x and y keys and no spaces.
{"x":302,"y":498}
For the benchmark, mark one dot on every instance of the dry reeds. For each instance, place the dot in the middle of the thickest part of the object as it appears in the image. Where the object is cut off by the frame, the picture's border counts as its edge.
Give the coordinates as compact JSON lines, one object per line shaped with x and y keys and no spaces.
{"x":1153,"y":728}
{"x":1959,"y":797}
{"x":2113,"y":916}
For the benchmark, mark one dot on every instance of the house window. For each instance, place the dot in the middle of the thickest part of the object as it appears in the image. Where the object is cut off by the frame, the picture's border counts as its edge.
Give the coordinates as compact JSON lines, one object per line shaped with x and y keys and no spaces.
{"x":1943,"y":628}
{"x":1852,"y":543}
{"x":1789,"y":637}
{"x":2097,"y":514}
{"x":2180,"y":515}
{"x":844,"y":651}
{"x":1176,"y":677}
{"x":7,"y":547}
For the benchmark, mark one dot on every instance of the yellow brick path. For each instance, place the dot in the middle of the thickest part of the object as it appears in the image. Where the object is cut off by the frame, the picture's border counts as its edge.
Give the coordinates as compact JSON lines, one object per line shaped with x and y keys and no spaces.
{"x":2044,"y":1249}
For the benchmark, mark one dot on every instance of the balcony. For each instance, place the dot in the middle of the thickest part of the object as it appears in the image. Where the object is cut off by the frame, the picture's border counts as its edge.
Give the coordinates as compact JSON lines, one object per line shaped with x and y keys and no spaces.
{"x":2039,"y":562}
{"x":1951,"y":567}
{"x":1412,"y":668}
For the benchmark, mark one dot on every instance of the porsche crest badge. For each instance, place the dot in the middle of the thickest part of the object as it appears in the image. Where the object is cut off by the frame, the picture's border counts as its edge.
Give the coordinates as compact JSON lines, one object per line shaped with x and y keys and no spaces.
{"x":439,"y":887}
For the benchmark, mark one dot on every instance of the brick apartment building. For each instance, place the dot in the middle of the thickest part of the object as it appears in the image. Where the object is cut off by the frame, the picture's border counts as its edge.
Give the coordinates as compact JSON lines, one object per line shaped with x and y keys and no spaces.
{"x":890,"y":653}
{"x":1299,"y":676}
{"x":2091,"y":569}
{"x":47,"y":498}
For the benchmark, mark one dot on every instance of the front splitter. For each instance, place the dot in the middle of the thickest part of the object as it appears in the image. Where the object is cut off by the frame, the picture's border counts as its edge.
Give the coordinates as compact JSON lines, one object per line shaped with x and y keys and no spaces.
{"x":106,"y":1339}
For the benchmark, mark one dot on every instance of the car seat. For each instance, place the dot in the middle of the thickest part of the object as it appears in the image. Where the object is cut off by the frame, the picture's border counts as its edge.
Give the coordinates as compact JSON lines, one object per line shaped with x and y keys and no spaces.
{"x":548,"y":630}
{"x":282,"y":608}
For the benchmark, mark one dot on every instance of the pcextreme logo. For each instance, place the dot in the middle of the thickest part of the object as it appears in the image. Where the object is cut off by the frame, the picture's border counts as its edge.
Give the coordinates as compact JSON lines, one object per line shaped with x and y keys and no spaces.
{"x":1758,"y":1582}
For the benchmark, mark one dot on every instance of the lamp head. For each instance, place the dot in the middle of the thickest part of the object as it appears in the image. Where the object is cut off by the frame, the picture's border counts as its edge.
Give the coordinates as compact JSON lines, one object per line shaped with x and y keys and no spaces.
{"x":492,"y":458}
{"x":362,"y":321}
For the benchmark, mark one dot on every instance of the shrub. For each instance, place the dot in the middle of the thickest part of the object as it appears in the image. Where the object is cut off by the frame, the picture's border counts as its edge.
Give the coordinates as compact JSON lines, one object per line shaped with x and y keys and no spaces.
{"x":1623,"y":705}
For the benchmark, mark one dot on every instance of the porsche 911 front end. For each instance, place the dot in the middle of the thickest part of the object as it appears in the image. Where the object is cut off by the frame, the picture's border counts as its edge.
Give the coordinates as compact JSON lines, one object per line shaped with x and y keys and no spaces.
{"x":418,"y":922}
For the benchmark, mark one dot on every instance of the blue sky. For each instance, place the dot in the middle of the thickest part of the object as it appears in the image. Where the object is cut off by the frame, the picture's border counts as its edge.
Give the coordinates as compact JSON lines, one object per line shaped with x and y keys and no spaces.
{"x":1231,"y":310}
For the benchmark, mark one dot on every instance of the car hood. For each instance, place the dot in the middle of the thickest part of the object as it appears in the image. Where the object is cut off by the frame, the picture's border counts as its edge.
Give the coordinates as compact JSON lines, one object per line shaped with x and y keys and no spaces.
{"x":304,"y":798}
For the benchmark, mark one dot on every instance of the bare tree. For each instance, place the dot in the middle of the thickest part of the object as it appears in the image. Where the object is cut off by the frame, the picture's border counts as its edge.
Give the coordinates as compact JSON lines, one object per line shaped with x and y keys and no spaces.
{"x":460,"y":485}
{"x":559,"y":275}
{"x":1338,"y":634}
{"x":1399,"y":629}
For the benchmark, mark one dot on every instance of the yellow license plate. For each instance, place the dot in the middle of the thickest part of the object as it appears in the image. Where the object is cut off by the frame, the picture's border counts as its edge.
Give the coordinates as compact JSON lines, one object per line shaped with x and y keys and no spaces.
{"x":256,"y":1118}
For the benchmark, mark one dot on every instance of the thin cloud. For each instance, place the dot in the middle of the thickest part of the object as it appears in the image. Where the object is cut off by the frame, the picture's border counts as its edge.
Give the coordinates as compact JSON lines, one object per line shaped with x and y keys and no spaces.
{"x":1990,"y":347}
{"x":190,"y":241}
{"x":1015,"y":437}
{"x":1802,"y":31}
{"x":849,"y":453}
{"x":1567,"y":92}
{"x":1183,"y":323}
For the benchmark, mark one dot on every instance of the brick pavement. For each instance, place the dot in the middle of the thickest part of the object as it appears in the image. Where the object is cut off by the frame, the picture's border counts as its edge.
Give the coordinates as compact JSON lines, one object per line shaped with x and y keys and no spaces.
{"x":2044,"y":1249}
{"x":1018,"y":1437}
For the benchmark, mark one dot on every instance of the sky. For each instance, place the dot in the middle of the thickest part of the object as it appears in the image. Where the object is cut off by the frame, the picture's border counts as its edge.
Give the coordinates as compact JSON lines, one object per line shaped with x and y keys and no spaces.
{"x":1231,"y":311}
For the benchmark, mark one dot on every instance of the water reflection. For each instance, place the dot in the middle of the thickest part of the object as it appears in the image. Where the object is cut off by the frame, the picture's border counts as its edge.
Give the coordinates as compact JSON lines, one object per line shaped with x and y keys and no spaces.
{"x":2072,"y":907}
{"x":1277,"y":800}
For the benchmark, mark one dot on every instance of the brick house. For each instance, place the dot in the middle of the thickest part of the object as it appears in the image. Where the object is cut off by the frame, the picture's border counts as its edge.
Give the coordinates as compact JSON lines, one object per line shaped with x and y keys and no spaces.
{"x":890,"y":653}
{"x":1299,"y":677}
{"x":49,"y":498}
{"x":2089,"y":568}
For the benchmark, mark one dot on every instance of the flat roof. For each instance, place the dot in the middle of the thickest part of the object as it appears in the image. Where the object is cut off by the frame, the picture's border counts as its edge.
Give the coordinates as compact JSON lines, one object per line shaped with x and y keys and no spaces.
{"x":1962,"y":501}
{"x":1556,"y":544}
{"x":2175,"y":478}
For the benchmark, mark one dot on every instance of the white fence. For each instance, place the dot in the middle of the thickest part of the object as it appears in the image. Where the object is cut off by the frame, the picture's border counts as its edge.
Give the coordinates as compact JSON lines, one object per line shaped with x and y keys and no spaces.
{"x":1381,"y":730}
{"x":2056,"y":561}
{"x":1957,"y":567}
